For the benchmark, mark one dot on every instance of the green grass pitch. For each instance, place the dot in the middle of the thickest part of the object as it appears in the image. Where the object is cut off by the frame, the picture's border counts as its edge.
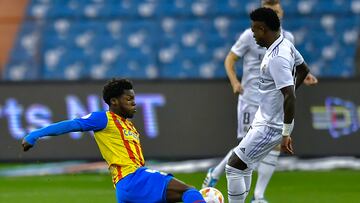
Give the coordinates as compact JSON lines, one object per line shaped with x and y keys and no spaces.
{"x":285,"y":187}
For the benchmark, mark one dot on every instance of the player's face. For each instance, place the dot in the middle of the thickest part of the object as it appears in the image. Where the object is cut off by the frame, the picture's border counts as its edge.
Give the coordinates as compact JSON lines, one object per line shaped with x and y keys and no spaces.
{"x":258,"y":30}
{"x":277,"y":8}
{"x":125,"y":105}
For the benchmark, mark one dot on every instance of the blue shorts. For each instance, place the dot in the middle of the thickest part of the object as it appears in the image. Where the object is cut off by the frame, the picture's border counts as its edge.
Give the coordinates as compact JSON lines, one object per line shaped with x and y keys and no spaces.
{"x":144,"y":185}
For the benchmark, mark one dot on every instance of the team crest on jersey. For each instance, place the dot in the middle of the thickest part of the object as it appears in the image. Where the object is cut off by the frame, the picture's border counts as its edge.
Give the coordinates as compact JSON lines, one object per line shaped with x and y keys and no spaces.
{"x":129,"y":133}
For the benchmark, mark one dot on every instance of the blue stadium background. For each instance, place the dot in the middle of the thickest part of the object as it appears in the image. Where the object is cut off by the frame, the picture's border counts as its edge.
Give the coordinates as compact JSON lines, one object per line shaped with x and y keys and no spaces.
{"x":165,"y":39}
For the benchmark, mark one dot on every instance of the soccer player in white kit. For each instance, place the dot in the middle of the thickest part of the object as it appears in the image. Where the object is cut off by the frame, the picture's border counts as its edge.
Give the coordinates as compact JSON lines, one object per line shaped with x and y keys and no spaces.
{"x":273,"y":120}
{"x":248,"y":101}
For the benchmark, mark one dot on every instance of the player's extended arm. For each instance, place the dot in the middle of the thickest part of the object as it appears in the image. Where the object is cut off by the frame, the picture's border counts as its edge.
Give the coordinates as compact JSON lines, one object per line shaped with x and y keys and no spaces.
{"x":289,"y":112}
{"x":230,"y":61}
{"x":51,"y":130}
{"x":302,"y":71}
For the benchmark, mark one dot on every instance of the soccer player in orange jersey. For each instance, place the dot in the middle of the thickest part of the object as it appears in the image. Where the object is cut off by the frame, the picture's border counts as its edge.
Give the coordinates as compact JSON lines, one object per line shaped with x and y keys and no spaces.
{"x":119,"y":144}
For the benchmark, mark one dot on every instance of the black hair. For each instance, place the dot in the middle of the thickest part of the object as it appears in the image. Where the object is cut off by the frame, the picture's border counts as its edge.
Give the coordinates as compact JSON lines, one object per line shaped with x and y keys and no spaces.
{"x":115,"y":87}
{"x":267,"y":16}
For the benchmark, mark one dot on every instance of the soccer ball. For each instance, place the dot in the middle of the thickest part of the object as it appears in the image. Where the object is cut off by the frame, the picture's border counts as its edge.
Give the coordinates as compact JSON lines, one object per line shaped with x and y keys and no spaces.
{"x":212,"y":195}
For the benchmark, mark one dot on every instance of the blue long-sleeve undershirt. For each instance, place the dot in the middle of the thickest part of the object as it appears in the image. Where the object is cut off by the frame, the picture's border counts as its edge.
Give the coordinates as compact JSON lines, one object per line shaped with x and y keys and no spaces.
{"x":54,"y":130}
{"x":94,"y":121}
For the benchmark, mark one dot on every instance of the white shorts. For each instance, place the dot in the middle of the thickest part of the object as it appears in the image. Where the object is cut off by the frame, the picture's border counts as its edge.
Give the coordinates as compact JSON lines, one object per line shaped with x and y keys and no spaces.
{"x":257,"y":143}
{"x":245,"y":115}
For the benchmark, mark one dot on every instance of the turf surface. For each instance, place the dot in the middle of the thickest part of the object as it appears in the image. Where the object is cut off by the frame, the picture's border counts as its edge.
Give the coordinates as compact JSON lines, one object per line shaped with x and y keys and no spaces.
{"x":290,"y":187}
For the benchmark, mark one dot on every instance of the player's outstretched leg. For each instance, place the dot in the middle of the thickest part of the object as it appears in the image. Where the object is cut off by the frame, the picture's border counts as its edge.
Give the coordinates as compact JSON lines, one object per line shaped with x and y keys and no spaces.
{"x":155,"y":186}
{"x":192,"y":195}
{"x":178,"y":191}
{"x":266,"y":169}
{"x":213,"y":174}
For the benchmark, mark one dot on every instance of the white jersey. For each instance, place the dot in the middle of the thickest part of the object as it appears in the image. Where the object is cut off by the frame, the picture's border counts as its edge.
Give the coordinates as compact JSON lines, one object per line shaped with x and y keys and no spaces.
{"x":252,"y":54}
{"x":277,"y":71}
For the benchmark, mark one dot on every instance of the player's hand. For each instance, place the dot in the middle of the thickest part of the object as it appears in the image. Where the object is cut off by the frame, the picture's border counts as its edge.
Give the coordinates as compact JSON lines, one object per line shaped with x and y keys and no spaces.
{"x":286,"y":145}
{"x":310,"y":80}
{"x":26,"y":146}
{"x":237,"y":88}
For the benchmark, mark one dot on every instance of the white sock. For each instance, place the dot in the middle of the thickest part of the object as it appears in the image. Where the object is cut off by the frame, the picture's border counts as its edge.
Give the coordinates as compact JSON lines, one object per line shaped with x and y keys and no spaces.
{"x":238,"y":183}
{"x":220,"y":168}
{"x":248,"y":182}
{"x":265,"y":170}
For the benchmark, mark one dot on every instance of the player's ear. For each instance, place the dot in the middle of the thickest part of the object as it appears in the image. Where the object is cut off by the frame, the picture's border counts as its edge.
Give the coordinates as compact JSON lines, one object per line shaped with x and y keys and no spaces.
{"x":113,"y":101}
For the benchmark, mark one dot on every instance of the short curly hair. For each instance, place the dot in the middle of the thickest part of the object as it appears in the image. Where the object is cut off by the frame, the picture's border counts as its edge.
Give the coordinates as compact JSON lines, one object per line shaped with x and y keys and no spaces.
{"x":267,"y":16}
{"x":115,"y":88}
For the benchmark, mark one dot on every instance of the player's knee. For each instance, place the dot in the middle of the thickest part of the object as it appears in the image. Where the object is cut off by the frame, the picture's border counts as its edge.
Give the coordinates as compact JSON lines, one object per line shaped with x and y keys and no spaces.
{"x":234,"y":173}
{"x":236,"y":162}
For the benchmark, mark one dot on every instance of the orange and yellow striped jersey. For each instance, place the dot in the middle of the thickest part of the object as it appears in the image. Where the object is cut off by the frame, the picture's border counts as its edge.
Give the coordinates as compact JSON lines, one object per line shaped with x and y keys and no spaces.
{"x":119,"y":144}
{"x":118,"y":141}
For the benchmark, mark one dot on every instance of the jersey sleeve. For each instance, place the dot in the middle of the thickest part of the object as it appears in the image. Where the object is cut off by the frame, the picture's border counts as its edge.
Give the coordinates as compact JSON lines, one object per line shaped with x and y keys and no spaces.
{"x":54,"y":129}
{"x":298,"y":58}
{"x":288,"y":35}
{"x":242,"y":44}
{"x":93,"y":122}
{"x":281,"y":72}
